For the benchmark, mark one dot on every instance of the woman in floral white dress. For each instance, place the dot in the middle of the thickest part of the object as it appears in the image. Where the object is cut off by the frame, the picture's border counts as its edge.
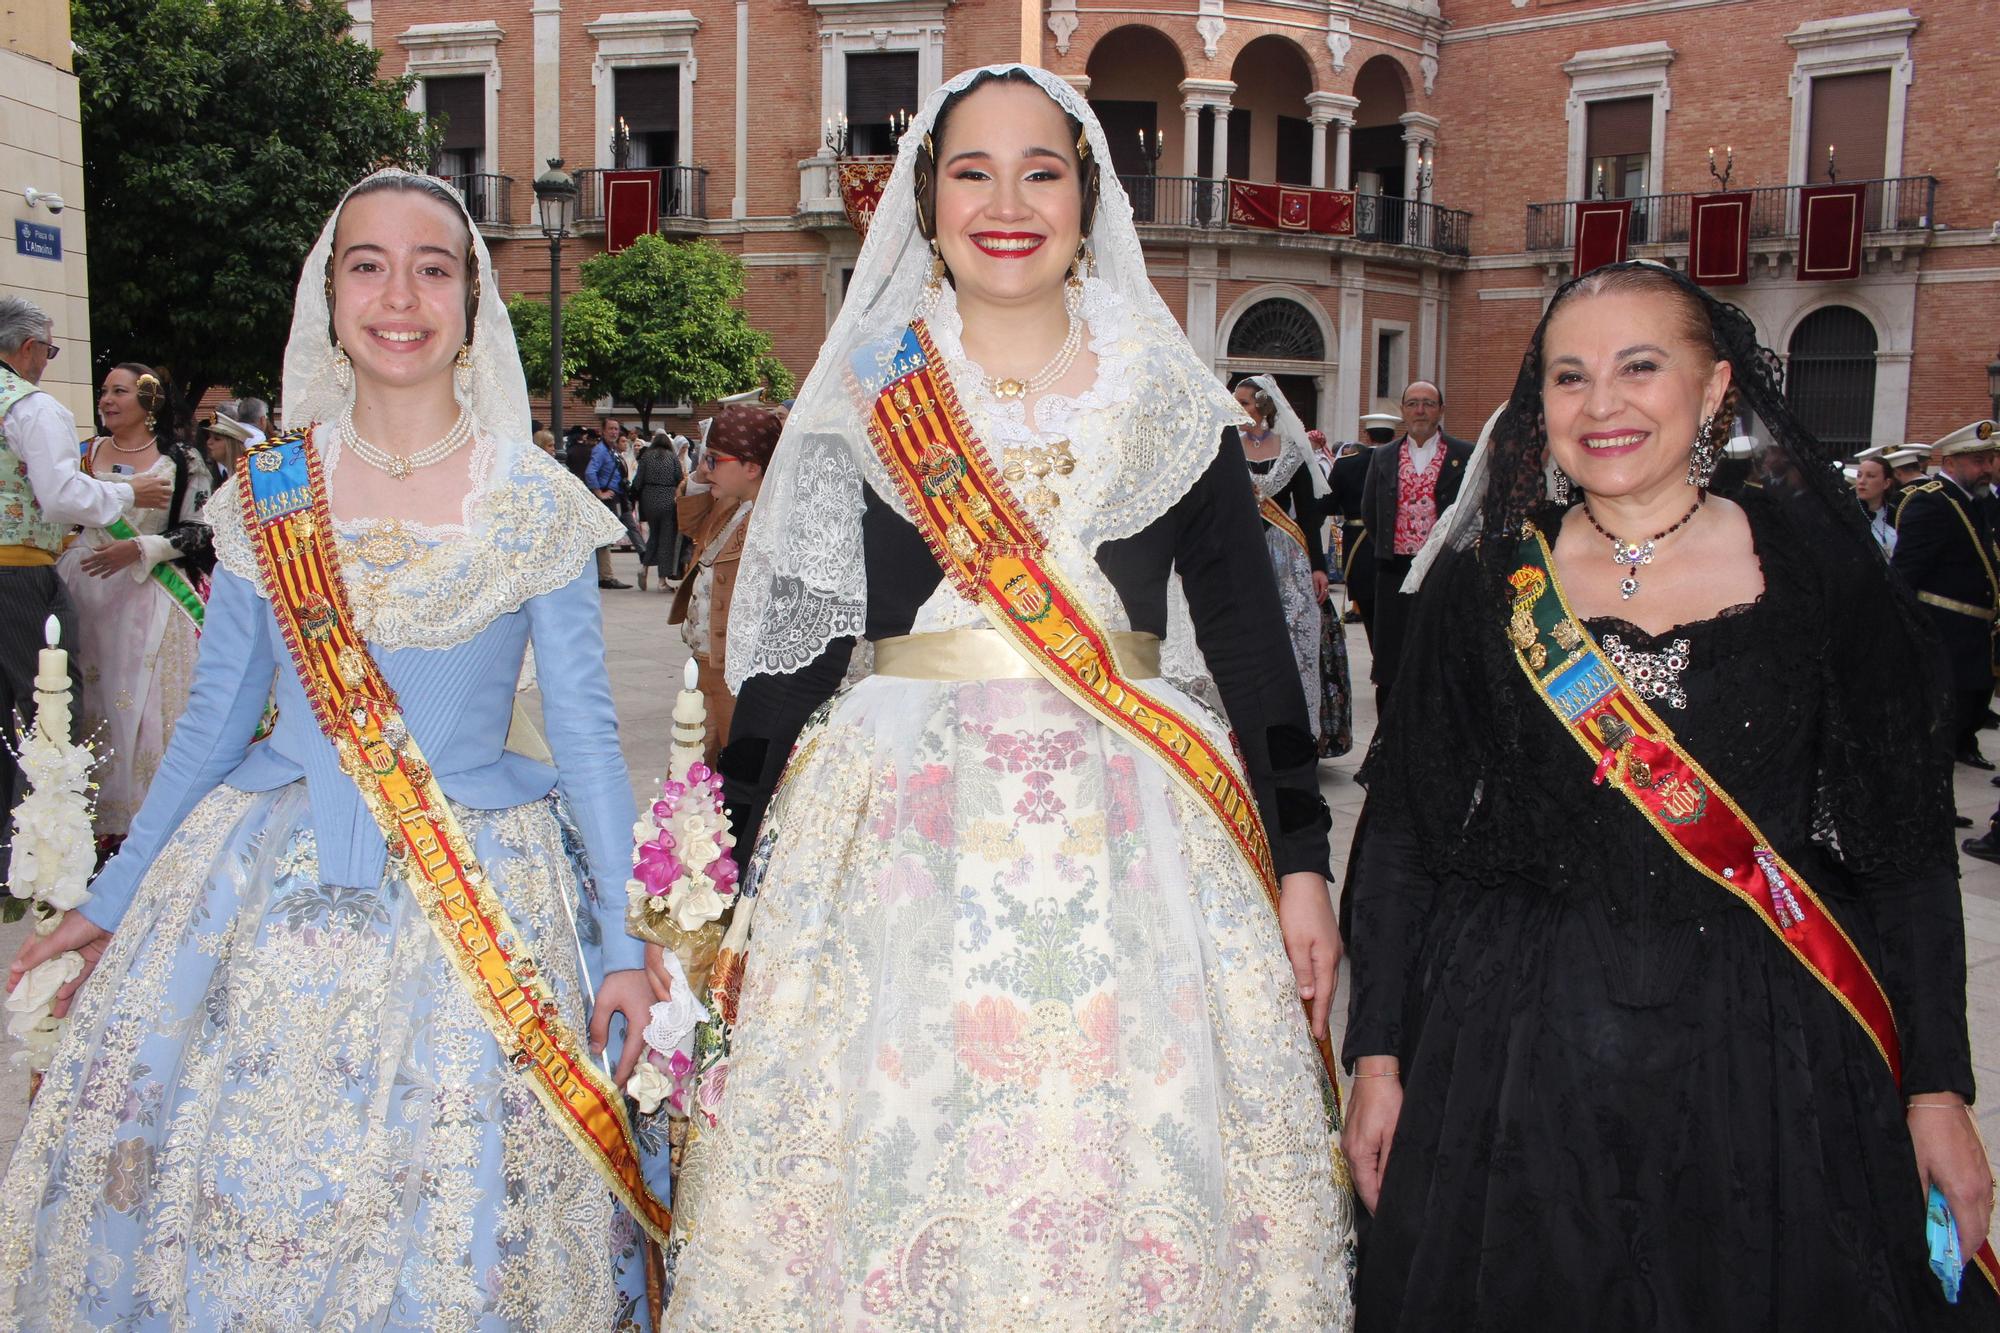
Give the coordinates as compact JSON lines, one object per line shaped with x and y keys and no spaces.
{"x":136,"y":637}
{"x":1019,"y":1043}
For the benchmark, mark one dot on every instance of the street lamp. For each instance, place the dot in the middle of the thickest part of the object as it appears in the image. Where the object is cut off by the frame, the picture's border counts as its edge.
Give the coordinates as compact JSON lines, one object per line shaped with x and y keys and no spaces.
{"x":555,"y":203}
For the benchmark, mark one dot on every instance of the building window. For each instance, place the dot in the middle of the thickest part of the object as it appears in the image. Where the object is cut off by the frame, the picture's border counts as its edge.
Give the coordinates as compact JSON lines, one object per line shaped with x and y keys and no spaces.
{"x":648,"y":100}
{"x":1392,"y":361}
{"x":1830,"y":377}
{"x":1850,"y":88}
{"x":880,"y":84}
{"x":1618,"y":144}
{"x":460,"y":104}
{"x":1277,"y":330}
{"x":1617,"y":110}
{"x":1295,"y":151}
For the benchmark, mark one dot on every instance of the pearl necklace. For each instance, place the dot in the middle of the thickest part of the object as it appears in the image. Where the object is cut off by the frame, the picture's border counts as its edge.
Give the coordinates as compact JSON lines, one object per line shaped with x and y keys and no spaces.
{"x":401,"y":466}
{"x":1631,"y":555}
{"x":1065,"y":357}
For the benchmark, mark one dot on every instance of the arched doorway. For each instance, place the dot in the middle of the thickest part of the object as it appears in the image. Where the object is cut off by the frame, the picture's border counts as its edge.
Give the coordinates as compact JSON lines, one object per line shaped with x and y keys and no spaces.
{"x":1382,"y":87}
{"x":1272,"y":333}
{"x":1830,"y":377}
{"x":1270,"y":138}
{"x":1135,"y":76}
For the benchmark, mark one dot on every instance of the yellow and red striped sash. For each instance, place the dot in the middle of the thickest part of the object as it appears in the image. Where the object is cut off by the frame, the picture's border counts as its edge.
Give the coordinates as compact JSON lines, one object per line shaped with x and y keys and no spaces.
{"x":285,"y":511}
{"x":1636,"y":753}
{"x":1275,"y":515}
{"x":995,"y":557}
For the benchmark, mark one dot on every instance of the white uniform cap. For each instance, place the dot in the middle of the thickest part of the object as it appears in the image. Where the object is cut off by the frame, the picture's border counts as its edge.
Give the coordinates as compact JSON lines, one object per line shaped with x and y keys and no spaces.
{"x":1977,"y":438}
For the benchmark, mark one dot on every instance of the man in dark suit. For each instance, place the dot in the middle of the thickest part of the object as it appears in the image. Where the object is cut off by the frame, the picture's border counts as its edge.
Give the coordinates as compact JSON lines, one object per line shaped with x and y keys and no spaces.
{"x":1346,"y":481}
{"x":1409,"y":484}
{"x":1944,"y":551}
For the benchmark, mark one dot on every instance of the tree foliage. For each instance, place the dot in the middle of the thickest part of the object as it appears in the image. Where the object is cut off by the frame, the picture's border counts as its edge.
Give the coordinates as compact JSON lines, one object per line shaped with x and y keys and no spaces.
{"x":217,"y":136}
{"x":655,"y":323}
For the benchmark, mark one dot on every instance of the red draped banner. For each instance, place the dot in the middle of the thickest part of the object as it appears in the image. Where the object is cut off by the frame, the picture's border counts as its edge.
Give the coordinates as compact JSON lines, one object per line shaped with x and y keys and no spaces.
{"x":861,"y":182}
{"x":631,"y":207}
{"x":1830,"y":226}
{"x":1719,"y":241}
{"x":1287,"y":208}
{"x":1603,"y":228}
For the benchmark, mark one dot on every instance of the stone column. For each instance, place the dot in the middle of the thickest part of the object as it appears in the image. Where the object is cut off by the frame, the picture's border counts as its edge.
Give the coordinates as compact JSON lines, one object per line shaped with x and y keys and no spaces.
{"x":1214,"y":94}
{"x":1419,"y":131}
{"x":1220,"y":156}
{"x":1191,"y":138}
{"x":1334,"y":109}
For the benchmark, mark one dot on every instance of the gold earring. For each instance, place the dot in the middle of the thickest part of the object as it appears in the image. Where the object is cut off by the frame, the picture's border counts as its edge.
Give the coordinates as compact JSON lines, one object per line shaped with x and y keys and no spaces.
{"x":343,"y":369}
{"x":461,"y":374}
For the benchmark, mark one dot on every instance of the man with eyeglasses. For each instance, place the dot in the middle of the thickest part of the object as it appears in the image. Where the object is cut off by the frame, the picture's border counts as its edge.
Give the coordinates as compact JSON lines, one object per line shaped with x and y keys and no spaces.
{"x":1409,"y":484}
{"x":44,"y":492}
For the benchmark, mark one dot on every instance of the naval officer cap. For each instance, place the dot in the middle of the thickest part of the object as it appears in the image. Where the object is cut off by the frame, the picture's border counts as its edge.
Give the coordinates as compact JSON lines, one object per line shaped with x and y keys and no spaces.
{"x":1874,"y":451}
{"x":1907,"y":455}
{"x":1978,"y":438}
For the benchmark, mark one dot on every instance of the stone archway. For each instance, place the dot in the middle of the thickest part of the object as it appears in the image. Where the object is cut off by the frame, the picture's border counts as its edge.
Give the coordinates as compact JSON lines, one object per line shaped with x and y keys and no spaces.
{"x":1830,"y":377}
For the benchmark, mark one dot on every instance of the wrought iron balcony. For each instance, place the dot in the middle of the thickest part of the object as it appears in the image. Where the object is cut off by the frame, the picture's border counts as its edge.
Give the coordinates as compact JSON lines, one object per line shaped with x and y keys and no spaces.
{"x":489,"y":196}
{"x":683,"y":194}
{"x":1899,"y":204}
{"x":1197,"y":202}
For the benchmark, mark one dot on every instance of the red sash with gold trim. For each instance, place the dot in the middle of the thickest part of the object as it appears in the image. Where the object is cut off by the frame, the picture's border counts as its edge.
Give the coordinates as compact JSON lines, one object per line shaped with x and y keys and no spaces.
{"x":285,"y":511}
{"x":1636,"y":753}
{"x":995,"y":557}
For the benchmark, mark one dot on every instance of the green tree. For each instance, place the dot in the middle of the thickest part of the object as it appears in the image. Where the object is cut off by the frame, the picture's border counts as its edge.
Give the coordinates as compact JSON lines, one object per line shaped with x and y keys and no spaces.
{"x":655,"y":323}
{"x":217,"y":136}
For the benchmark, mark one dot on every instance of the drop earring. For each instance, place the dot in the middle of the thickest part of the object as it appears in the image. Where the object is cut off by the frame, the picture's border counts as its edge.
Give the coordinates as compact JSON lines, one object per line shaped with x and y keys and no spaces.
{"x":1561,"y":488}
{"x":343,"y":369}
{"x":1702,"y":458}
{"x":461,"y":374}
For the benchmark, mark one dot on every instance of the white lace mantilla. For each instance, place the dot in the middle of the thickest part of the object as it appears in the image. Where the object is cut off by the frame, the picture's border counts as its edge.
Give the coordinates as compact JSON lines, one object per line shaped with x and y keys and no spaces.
{"x":415,"y":585}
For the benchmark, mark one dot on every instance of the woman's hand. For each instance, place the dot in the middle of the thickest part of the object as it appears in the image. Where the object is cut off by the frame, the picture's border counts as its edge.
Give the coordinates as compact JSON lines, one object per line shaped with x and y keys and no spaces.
{"x":626,"y":992}
{"x":75,"y":932}
{"x":1320,"y":585}
{"x":1312,"y":941}
{"x":1373,"y":1106}
{"x":657,"y":976}
{"x":1950,"y":1156}
{"x":108,"y":560}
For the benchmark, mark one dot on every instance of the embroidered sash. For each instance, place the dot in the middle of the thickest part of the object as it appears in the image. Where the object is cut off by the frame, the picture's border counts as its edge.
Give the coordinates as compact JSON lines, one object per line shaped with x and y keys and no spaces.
{"x":285,"y":512}
{"x":1637,"y":754}
{"x":166,"y":575}
{"x":996,"y":558}
{"x":1275,"y":515}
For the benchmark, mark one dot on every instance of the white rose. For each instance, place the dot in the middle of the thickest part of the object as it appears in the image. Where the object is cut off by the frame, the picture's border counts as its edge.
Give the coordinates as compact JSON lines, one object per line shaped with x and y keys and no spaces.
{"x":697,"y":855}
{"x":649,"y":1086}
{"x":69,"y":891}
{"x":697,"y":904}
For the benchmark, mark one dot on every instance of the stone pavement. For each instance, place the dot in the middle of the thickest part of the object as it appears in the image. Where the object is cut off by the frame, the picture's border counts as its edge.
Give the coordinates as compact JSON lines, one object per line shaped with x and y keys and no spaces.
{"x":646,"y":658}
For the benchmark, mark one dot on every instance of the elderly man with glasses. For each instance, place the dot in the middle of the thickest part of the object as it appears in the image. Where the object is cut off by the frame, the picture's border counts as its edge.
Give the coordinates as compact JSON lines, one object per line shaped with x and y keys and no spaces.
{"x":44,"y":492}
{"x":1409,"y":484}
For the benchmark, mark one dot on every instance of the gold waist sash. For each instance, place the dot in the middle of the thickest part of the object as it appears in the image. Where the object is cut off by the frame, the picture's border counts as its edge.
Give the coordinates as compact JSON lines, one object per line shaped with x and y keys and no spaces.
{"x":1952,"y":604}
{"x":977,"y":653}
{"x":25,"y":557}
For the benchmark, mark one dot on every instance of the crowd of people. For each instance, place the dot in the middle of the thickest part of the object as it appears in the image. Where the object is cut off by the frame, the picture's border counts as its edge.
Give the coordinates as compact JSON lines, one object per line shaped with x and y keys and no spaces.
{"x":1023,"y":640}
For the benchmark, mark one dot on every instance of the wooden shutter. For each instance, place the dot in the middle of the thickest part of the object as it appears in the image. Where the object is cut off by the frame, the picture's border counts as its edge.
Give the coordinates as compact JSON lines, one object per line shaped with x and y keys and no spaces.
{"x":649,"y":99}
{"x":1850,"y":112}
{"x":879,"y":84}
{"x":1622,"y":128}
{"x":461,"y":104}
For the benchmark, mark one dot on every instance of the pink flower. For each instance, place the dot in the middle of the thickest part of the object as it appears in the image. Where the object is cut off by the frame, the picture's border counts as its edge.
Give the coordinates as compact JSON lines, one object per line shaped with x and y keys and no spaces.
{"x":698,"y":773}
{"x":1097,"y":1057}
{"x":657,"y":868}
{"x":1121,"y":806}
{"x":928,"y":800}
{"x":906,"y":879}
{"x":1039,"y":804}
{"x":987,"y":1036}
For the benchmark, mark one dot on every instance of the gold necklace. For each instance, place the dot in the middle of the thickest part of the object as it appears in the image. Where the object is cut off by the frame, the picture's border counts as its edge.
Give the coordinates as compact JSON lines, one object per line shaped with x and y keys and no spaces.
{"x":1018,"y":463}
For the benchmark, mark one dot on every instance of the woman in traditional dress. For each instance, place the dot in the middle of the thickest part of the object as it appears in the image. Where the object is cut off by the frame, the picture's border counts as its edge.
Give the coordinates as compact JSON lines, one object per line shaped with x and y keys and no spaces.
{"x":1290,"y":495}
{"x":138,"y":588}
{"x":279,"y":1101}
{"x":1659,"y":990}
{"x":1019,"y":1043}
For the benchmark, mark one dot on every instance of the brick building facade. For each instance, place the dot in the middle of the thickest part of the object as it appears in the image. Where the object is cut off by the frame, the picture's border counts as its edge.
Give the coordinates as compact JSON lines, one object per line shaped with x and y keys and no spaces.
{"x":1467,"y":127}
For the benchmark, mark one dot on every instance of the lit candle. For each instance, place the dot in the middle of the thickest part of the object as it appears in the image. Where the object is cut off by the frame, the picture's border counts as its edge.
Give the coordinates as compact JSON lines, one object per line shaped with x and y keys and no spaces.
{"x":690,"y":731}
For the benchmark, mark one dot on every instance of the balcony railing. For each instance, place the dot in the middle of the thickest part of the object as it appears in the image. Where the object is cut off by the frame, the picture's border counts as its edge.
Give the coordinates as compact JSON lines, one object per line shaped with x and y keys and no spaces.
{"x":489,"y":197}
{"x":1900,"y":204}
{"x":1193,"y":201}
{"x":683,"y":193}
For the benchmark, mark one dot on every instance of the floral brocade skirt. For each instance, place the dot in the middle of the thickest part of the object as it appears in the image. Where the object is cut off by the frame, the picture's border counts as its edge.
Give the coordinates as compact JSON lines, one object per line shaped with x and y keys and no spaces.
{"x":1018,"y":1047}
{"x":275,"y":1107}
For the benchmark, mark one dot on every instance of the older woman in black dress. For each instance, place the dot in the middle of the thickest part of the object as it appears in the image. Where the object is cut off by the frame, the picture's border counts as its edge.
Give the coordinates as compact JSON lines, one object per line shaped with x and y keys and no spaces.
{"x":1659,"y":993}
